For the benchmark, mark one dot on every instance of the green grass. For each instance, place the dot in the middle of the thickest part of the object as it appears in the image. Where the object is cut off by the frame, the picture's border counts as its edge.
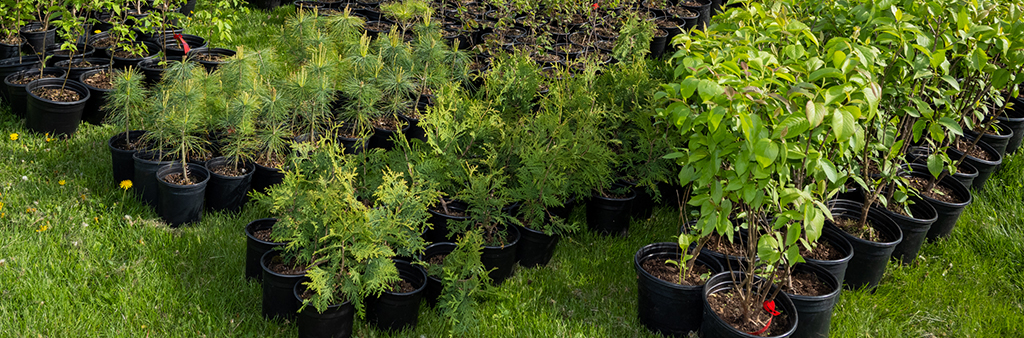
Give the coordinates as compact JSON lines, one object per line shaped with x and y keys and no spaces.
{"x":94,"y":272}
{"x":106,"y":266}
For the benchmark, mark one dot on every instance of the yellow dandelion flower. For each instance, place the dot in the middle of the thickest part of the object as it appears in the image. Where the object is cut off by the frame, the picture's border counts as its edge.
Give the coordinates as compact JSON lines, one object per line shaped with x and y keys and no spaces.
{"x":14,"y":136}
{"x":126,"y":184}
{"x":43,"y":228}
{"x":96,"y":31}
{"x":61,"y":182}
{"x":30,"y":210}
{"x":48,"y":139}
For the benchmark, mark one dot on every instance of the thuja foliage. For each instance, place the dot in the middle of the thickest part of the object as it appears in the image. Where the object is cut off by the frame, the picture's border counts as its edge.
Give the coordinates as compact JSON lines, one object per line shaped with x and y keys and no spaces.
{"x":347,"y":244}
{"x":465,"y":283}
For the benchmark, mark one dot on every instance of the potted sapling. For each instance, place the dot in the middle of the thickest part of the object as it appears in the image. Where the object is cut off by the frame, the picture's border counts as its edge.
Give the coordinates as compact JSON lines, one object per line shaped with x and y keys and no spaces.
{"x":130,"y":109}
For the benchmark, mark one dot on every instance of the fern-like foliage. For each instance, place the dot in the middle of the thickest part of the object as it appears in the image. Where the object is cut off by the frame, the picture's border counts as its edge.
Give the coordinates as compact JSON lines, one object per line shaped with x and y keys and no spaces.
{"x":465,"y":283}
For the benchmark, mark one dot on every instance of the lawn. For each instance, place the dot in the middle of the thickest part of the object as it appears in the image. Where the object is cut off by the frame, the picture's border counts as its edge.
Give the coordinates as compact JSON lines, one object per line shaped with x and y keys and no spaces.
{"x":79,"y":256}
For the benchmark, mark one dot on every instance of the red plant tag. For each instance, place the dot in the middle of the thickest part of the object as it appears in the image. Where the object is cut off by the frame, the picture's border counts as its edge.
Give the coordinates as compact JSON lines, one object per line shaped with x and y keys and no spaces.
{"x":595,"y":5}
{"x":769,"y":306}
{"x":183,"y":43}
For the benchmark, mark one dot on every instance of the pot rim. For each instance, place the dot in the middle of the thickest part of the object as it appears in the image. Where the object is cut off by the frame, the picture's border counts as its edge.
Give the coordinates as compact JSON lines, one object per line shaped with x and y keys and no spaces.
{"x":299,"y":286}
{"x":74,"y":85}
{"x":984,"y":147}
{"x":782,"y":297}
{"x":270,"y":254}
{"x":820,"y":272}
{"x":949,"y":182}
{"x":250,"y":235}
{"x":645,"y":274}
{"x":419,"y":289}
{"x":174,"y":165}
{"x":895,"y":229}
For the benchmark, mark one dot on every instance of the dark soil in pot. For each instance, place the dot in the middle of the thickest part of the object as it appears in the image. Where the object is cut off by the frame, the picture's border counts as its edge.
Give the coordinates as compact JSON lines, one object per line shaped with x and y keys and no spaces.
{"x":730,"y":255}
{"x":181,"y":198}
{"x":965,"y":174}
{"x":13,"y":65}
{"x":153,"y":68}
{"x":500,"y":257}
{"x":122,"y":146}
{"x":914,"y":225}
{"x":1013,"y":118}
{"x":211,"y":58}
{"x":982,"y":156}
{"x":608,"y":214}
{"x":16,"y":82}
{"x":352,"y":142}
{"x":55,"y":106}
{"x":124,"y":58}
{"x":37,"y":38}
{"x":998,"y":139}
{"x":722,"y":312}
{"x":257,"y":243}
{"x":55,"y":54}
{"x":335,"y":322}
{"x":663,"y":304}
{"x":949,"y":201}
{"x":434,"y":255}
{"x":398,"y":309}
{"x":229,"y":184}
{"x":376,"y":28}
{"x":384,"y":129}
{"x":439,"y":218}
{"x":80,"y":66}
{"x":703,"y":10}
{"x":814,"y":294}
{"x":173,"y":47}
{"x":873,"y":244}
{"x":833,"y":253}
{"x":101,"y":42}
{"x":100,"y":82}
{"x":279,"y":280}
{"x":11,"y":46}
{"x":535,"y":247}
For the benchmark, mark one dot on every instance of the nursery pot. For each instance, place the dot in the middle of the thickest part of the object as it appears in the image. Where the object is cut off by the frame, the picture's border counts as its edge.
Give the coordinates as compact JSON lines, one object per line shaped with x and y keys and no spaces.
{"x":381,"y":138}
{"x":714,"y":326}
{"x":985,"y":168}
{"x":609,"y":216}
{"x":123,"y":166}
{"x":836,"y":267}
{"x":75,"y":72}
{"x":153,"y":71}
{"x":869,"y":258}
{"x":728,"y":262}
{"x":265,"y":4}
{"x":265,"y":177}
{"x":9,"y":51}
{"x":438,"y":221}
{"x":434,"y":284}
{"x":94,"y":112}
{"x":121,"y":63}
{"x":54,"y":117}
{"x":198,"y":53}
{"x":227,"y":192}
{"x":966,"y":173}
{"x":658,"y":45}
{"x":171,"y":48}
{"x":54,"y":54}
{"x":1013,"y":119}
{"x":665,"y":307}
{"x":946,"y":213}
{"x":182,"y":204}
{"x":278,"y":290}
{"x":998,"y":141}
{"x":14,"y":65}
{"x":394,"y":311}
{"x":17,"y":96}
{"x":145,"y":186}
{"x":37,"y":39}
{"x":815,"y":312}
{"x":703,"y":13}
{"x":100,"y":51}
{"x":535,"y":247}
{"x":335,"y":322}
{"x":914,"y":228}
{"x":255,"y":247}
{"x":501,"y":258}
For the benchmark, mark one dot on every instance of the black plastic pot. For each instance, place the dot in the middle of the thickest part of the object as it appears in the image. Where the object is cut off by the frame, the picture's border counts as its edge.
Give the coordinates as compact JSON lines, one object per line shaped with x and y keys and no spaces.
{"x":255,"y":247}
{"x":664,"y":307}
{"x":94,"y":112}
{"x":815,"y":312}
{"x":837,"y":267}
{"x":265,"y":177}
{"x":998,"y":141}
{"x":914,"y":228}
{"x":728,"y":262}
{"x":381,"y":138}
{"x":714,"y":326}
{"x":182,"y":204}
{"x":535,"y":247}
{"x":145,"y":183}
{"x":609,"y":216}
{"x":227,"y":192}
{"x":438,"y":221}
{"x":985,"y":168}
{"x":99,"y":37}
{"x":17,"y":96}
{"x":434,"y":284}
{"x":335,"y":322}
{"x":869,"y":258}
{"x":54,"y":117}
{"x":1013,"y":118}
{"x":13,"y":65}
{"x":210,"y":65}
{"x":414,"y":131}
{"x":170,"y":44}
{"x":265,"y":4}
{"x":966,"y":173}
{"x":153,"y":71}
{"x":703,"y":12}
{"x":120,"y":159}
{"x":9,"y":51}
{"x":658,"y":45}
{"x":394,"y":311}
{"x":75,"y":73}
{"x":54,"y":54}
{"x":501,"y":258}
{"x":122,"y":63}
{"x":278,"y":290}
{"x":947,"y":213}
{"x":36,"y":42}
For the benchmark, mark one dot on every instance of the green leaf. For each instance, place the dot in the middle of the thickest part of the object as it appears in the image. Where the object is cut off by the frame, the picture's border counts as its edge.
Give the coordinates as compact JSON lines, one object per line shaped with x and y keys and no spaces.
{"x":951,"y":125}
{"x":934,"y":165}
{"x":673,"y":155}
{"x":791,"y":127}
{"x":826,"y":72}
{"x":872,"y":94}
{"x":837,"y":59}
{"x":1000,"y":77}
{"x":766,"y":249}
{"x":842,"y":124}
{"x":815,"y":113}
{"x":951,"y":82}
{"x":937,"y":59}
{"x":689,"y":85}
{"x":765,"y":152}
{"x":793,"y":233}
{"x":708,"y":89}
{"x":977,"y":60}
{"x":830,"y":169}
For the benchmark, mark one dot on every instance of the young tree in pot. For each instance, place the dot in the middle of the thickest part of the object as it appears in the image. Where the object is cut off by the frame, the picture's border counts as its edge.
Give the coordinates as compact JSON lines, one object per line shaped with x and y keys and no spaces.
{"x":486,"y":197}
{"x":129,"y":106}
{"x":311,"y":91}
{"x":40,"y":34}
{"x":12,"y":17}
